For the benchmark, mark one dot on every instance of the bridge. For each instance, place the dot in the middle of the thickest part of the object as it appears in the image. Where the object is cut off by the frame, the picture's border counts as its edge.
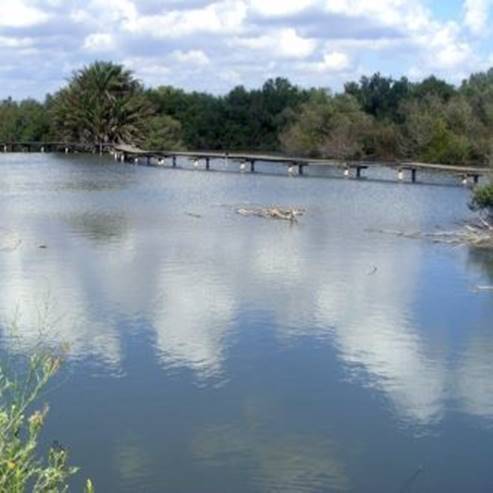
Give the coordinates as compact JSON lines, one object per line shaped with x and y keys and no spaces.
{"x":247,"y":161}
{"x":126,"y":153}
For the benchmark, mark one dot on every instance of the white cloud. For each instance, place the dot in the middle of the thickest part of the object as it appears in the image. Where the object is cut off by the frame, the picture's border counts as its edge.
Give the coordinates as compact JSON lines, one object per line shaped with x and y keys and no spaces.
{"x":334,"y":61}
{"x":18,"y":14}
{"x":11,"y":42}
{"x":99,"y":42}
{"x":280,"y":7}
{"x":444,"y":51}
{"x":290,"y":44}
{"x":477,"y":15}
{"x":313,"y":42}
{"x":219,"y":17}
{"x":192,"y":57}
{"x":283,"y":42}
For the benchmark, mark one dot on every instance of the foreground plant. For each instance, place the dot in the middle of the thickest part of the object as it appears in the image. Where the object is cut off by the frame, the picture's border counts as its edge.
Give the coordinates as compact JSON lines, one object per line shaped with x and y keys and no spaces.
{"x":21,"y":423}
{"x":483,"y":200}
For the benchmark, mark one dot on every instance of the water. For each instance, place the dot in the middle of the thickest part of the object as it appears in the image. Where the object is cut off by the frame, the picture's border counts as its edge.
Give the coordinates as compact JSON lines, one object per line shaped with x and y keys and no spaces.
{"x":211,"y":352}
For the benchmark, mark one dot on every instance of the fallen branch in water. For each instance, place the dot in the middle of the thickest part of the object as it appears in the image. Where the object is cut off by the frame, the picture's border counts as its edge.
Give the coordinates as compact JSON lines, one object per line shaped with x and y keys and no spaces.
{"x":287,"y":214}
{"x":473,"y":234}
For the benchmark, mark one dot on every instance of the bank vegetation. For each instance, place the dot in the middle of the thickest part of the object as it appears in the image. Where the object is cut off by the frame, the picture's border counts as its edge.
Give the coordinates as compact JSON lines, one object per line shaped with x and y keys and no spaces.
{"x":376,"y":117}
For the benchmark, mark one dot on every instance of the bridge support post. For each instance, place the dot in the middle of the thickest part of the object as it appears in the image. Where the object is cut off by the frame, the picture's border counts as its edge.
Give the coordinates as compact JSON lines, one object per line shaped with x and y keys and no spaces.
{"x":414,"y":173}
{"x":174,"y":161}
{"x":252,"y":165}
{"x":208,"y":163}
{"x":358,"y":171}
{"x":300,"y":169}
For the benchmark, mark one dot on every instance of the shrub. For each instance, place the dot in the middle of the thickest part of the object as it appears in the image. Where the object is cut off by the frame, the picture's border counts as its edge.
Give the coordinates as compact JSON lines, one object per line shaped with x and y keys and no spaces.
{"x":21,"y":424}
{"x":483,"y":199}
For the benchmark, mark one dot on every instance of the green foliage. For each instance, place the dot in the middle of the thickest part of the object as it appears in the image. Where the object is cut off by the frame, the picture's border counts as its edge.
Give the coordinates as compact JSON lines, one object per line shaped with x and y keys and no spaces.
{"x":163,"y":134}
{"x":433,"y":87}
{"x":102,"y":103}
{"x":21,"y":468}
{"x":25,"y":121}
{"x":444,"y":146}
{"x":483,"y":198}
{"x":380,"y":96}
{"x":377,"y":117}
{"x":200,"y":115}
{"x":328,"y":126}
{"x":242,"y":119}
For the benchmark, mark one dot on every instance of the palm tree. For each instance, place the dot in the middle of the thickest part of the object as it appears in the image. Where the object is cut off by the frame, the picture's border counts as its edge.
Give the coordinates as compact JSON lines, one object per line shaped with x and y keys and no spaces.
{"x":102,"y":103}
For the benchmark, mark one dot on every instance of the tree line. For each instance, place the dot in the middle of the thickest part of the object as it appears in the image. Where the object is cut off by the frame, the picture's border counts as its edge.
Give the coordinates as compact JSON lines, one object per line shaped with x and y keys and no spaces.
{"x":376,"y":117}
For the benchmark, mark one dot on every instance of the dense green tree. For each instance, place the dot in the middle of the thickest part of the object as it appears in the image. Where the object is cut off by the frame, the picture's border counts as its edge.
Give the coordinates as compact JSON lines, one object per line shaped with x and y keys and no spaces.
{"x":163,"y":134}
{"x":103,"y":102}
{"x":9,"y":128}
{"x":255,"y":119}
{"x":428,"y":135}
{"x":26,"y":121}
{"x":431,"y":86}
{"x":242,"y":119}
{"x":199,"y":114}
{"x":380,"y":96}
{"x":328,"y":126}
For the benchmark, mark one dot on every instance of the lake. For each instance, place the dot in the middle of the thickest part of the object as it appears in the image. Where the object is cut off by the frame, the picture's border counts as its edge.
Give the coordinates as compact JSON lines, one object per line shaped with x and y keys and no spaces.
{"x":211,"y":352}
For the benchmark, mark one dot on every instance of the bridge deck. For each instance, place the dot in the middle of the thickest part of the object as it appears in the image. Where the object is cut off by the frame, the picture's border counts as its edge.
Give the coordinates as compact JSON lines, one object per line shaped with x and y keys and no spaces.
{"x":303,"y":161}
{"x":128,"y":151}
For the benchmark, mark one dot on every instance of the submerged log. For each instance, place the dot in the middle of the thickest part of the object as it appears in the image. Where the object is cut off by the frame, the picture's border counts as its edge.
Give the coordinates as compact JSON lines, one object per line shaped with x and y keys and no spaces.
{"x":286,"y":214}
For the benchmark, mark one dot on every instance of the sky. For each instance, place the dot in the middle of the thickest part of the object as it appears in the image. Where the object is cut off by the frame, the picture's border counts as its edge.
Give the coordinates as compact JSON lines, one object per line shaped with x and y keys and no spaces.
{"x":214,"y":45}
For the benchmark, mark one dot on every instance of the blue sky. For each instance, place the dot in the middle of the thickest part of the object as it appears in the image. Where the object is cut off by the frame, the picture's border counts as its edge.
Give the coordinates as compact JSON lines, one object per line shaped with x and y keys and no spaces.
{"x":213,"y":45}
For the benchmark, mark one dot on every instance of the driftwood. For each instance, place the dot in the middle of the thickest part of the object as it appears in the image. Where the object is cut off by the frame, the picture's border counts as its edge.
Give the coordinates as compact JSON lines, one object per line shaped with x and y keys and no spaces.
{"x":479,"y":235}
{"x":287,"y":214}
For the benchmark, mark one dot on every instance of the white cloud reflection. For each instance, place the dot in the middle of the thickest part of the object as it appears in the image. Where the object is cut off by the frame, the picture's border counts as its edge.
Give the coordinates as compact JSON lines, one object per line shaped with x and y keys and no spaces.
{"x":191,"y":295}
{"x":474,"y":378}
{"x":191,"y":321}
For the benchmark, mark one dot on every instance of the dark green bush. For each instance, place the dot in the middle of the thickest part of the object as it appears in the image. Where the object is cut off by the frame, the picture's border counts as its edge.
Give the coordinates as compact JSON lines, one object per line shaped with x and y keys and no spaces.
{"x":483,"y":198}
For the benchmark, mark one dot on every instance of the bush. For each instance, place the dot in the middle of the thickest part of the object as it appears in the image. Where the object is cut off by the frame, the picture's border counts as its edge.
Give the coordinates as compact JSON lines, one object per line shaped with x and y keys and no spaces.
{"x":483,"y":198}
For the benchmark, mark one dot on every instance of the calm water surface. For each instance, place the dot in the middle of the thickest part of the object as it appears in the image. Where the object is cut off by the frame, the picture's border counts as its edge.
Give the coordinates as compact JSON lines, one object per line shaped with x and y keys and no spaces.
{"x":211,"y":352}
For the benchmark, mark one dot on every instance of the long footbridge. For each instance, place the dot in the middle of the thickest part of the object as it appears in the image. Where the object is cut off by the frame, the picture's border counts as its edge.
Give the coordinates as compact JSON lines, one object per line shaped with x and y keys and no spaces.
{"x":248,"y":161}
